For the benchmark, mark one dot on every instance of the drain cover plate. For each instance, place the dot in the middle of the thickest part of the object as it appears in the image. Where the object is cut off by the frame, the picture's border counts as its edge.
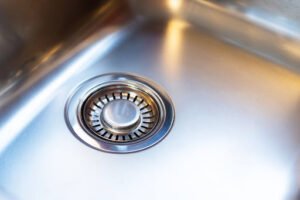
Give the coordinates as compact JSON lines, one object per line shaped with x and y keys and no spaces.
{"x":119,"y":113}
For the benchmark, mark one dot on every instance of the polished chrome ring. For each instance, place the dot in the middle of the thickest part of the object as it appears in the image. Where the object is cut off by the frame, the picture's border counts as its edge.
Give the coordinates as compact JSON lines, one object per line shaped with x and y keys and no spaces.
{"x":121,"y":112}
{"x":146,"y":118}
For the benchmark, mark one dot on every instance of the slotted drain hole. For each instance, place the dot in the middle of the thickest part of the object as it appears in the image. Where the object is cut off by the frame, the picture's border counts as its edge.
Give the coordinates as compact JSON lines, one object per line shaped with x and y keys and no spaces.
{"x":119,"y":113}
{"x":123,"y":99}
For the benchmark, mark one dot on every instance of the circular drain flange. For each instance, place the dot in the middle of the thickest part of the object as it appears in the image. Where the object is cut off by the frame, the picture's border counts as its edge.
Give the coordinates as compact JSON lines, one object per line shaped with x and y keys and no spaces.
{"x":119,"y":113}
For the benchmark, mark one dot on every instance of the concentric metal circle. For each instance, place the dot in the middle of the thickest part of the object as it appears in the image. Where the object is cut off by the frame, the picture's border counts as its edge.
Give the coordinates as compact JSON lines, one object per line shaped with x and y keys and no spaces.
{"x":119,"y":113}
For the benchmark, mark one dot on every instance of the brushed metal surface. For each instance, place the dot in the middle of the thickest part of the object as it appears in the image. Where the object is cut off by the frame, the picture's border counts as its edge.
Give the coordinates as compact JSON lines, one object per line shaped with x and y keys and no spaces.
{"x":28,"y":28}
{"x":236,"y":134}
{"x":288,"y":9}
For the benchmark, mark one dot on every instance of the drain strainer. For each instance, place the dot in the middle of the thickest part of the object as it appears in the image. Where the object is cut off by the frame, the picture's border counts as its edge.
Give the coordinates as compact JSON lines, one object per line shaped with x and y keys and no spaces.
{"x":119,"y":113}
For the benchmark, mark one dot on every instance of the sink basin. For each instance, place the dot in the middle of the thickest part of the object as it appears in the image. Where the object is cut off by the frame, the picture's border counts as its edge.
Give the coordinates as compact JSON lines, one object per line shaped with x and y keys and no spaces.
{"x":231,"y":69}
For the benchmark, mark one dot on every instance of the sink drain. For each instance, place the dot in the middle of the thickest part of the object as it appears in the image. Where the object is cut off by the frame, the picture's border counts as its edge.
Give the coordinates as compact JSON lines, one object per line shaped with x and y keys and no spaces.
{"x":119,"y":113}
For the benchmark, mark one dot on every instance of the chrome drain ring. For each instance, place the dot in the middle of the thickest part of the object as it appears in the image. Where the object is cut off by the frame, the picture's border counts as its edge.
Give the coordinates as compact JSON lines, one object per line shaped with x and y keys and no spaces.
{"x":119,"y":113}
{"x":96,"y":104}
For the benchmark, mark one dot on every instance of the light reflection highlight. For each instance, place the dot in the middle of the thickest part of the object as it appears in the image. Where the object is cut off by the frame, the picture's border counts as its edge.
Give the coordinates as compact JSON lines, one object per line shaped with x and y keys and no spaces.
{"x":172,"y":47}
{"x":51,"y":52}
{"x":32,"y":108}
{"x":174,"y":5}
{"x":292,"y":49}
{"x":279,"y":24}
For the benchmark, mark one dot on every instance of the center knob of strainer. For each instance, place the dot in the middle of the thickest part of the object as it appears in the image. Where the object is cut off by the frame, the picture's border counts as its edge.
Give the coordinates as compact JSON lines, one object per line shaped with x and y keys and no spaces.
{"x":120,"y":116}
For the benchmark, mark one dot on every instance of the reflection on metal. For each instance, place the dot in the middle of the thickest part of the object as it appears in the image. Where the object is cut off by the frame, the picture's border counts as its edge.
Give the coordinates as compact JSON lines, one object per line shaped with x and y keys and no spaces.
{"x":174,"y":5}
{"x":261,"y":32}
{"x":277,"y":24}
{"x":30,"y":28}
{"x":173,"y":48}
{"x":41,"y":98}
{"x":49,"y":54}
{"x":292,"y":49}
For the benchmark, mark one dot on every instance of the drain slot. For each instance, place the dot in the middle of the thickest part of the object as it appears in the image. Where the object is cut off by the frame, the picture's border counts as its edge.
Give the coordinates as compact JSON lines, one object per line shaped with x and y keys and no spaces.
{"x":120,"y":113}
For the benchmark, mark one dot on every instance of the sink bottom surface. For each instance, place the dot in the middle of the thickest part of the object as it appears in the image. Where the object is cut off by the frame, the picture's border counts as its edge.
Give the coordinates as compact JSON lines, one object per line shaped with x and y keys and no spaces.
{"x":236,"y":133}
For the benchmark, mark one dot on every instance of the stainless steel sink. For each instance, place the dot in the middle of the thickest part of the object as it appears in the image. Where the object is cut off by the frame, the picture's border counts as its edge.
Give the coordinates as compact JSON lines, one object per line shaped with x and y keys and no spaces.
{"x":231,"y":69}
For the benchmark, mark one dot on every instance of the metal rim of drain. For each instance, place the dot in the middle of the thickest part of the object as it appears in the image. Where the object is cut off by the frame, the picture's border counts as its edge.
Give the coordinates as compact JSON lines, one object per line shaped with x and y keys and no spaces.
{"x":119,"y":113}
